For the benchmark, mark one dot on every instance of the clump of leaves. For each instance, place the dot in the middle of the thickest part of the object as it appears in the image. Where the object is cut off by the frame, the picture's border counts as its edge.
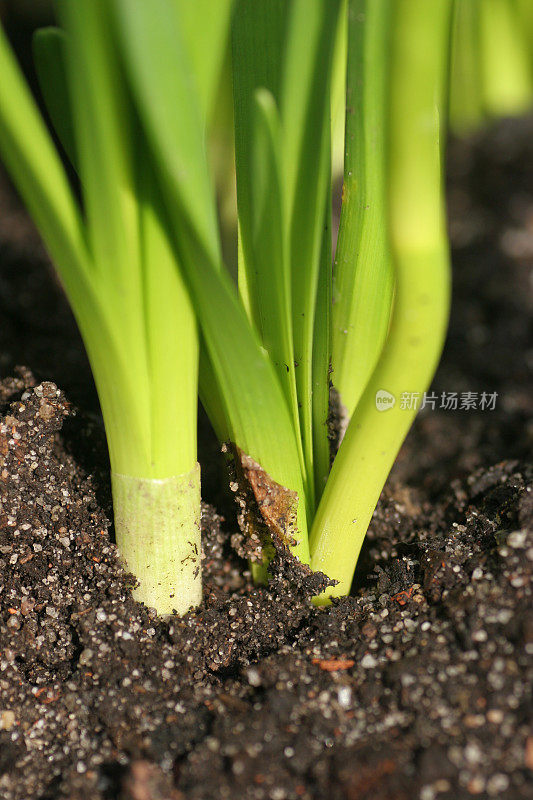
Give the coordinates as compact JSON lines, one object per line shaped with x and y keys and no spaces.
{"x":131,"y":89}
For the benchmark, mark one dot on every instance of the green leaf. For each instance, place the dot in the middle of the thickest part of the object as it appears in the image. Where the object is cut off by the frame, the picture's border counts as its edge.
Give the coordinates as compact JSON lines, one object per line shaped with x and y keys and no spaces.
{"x":322,"y":362}
{"x":338,"y":92}
{"x":50,"y":58}
{"x":206,"y":33}
{"x":40,"y":178}
{"x":466,"y":97}
{"x":363,"y":275}
{"x":165,"y":84}
{"x":287,"y":49}
{"x":264,"y":270}
{"x":305,"y":107}
{"x":258,"y":35}
{"x":269,"y":261}
{"x":105,"y":147}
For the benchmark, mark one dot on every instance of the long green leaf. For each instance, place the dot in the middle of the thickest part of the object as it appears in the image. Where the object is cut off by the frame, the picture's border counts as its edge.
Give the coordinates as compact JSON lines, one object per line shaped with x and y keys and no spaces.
{"x":338,"y":92}
{"x":363,"y":276}
{"x":322,"y":361}
{"x":259,"y":30}
{"x":40,"y":177}
{"x":206,"y":33}
{"x":258,"y":35}
{"x":105,"y":147}
{"x":163,"y":76}
{"x":269,"y":253}
{"x":50,"y":58}
{"x":305,"y":107}
{"x":466,"y":97}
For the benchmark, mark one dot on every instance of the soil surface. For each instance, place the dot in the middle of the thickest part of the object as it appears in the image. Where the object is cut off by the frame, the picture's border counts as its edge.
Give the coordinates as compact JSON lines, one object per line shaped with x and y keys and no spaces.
{"x":417,"y":686}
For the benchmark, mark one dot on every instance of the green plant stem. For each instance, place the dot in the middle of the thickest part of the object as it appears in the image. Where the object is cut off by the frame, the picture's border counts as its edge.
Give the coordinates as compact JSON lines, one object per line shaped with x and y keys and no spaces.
{"x":305,"y":105}
{"x":420,"y":44}
{"x":171,"y":340}
{"x":363,"y":275}
{"x":157,"y":526}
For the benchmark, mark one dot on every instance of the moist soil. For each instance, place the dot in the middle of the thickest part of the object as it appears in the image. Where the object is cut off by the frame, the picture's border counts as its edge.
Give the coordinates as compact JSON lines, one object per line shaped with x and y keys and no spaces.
{"x":416,"y":686}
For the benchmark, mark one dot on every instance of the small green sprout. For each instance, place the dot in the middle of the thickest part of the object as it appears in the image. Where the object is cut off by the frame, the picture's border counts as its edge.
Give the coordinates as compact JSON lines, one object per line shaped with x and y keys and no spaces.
{"x":131,"y":88}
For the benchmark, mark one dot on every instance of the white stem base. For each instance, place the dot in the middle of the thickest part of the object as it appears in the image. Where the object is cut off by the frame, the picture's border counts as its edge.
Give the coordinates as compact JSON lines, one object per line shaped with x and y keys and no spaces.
{"x":157,"y":526}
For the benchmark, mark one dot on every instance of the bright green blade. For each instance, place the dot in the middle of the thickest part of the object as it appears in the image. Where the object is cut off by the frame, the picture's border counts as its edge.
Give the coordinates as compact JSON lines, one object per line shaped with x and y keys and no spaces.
{"x":40,"y":178}
{"x":268,"y":253}
{"x":164,"y":79}
{"x":338,"y":93}
{"x":49,"y":55}
{"x":104,"y":144}
{"x":305,"y":108}
{"x":466,"y":97}
{"x":271,"y":280}
{"x":322,"y":362}
{"x":133,"y":263}
{"x":287,"y":48}
{"x":258,"y":33}
{"x":420,"y":57}
{"x":206,"y":32}
{"x":363,"y":279}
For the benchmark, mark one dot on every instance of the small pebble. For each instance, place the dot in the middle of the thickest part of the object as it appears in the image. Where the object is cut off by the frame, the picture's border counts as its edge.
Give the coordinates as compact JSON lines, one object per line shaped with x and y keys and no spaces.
{"x":7,"y":720}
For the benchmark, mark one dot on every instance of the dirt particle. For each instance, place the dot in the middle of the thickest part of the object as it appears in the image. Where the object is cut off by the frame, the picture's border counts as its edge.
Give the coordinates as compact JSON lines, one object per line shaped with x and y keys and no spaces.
{"x":7,"y":720}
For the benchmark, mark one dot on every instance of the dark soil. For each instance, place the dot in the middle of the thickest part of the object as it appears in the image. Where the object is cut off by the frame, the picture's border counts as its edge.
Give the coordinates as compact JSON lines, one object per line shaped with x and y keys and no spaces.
{"x":417,"y":686}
